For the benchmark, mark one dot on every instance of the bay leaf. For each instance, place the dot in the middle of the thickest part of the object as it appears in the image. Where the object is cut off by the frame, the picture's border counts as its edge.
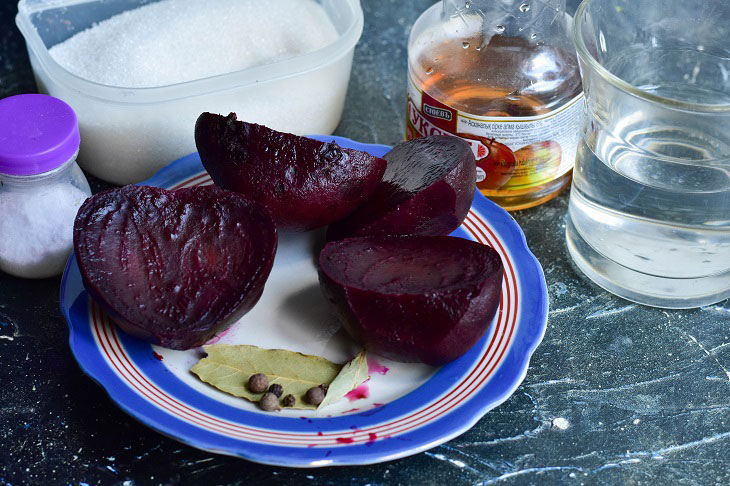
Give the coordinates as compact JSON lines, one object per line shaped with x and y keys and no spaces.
{"x":350,"y":376}
{"x":229,"y":366}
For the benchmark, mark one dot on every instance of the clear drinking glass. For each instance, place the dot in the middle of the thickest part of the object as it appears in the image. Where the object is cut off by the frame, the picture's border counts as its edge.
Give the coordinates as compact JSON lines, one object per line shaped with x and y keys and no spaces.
{"x":649,"y":216}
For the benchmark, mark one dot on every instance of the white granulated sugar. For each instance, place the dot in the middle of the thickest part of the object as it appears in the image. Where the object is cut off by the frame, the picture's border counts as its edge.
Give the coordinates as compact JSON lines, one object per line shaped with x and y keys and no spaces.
{"x":173,"y":41}
{"x":36,"y":229}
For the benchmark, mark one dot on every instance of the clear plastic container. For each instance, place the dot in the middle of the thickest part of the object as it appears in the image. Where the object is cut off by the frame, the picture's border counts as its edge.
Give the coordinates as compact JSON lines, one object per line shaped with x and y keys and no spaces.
{"x":129,"y":134}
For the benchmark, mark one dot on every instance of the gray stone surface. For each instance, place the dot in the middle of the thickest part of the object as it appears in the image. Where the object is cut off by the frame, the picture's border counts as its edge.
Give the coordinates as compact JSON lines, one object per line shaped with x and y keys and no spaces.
{"x":616,"y":394}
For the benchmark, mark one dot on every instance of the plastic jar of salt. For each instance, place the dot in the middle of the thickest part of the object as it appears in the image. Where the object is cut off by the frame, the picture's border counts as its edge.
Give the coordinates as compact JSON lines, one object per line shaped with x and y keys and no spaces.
{"x":41,"y":186}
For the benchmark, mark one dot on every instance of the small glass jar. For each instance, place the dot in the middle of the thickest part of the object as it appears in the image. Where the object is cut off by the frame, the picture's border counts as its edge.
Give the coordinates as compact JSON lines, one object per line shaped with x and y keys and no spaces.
{"x":41,"y":186}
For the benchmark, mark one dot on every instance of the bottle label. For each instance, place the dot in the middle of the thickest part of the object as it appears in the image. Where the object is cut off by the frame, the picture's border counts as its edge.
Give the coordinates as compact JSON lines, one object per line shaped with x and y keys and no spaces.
{"x":512,"y":153}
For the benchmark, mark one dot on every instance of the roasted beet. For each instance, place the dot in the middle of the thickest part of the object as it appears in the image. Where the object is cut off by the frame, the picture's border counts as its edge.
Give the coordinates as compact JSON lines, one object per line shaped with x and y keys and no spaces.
{"x":413,"y":298}
{"x":427,"y":189}
{"x":174,"y":267}
{"x":304,"y":183}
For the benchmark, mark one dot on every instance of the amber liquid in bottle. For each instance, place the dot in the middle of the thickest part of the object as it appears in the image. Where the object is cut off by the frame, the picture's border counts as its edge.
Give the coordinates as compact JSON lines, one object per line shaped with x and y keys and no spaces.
{"x":504,"y":77}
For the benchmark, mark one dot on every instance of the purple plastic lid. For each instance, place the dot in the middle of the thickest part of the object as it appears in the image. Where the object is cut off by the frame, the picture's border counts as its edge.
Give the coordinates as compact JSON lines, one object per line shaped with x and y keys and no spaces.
{"x":37,"y":133}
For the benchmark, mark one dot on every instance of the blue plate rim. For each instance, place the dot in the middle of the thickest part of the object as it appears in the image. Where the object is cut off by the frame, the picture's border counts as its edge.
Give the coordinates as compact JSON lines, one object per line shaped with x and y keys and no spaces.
{"x":533,"y":319}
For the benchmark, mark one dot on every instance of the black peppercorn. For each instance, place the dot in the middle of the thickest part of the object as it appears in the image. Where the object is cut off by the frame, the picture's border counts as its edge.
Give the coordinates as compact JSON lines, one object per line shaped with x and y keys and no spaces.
{"x":269,"y":402}
{"x":314,"y":395}
{"x":289,"y":401}
{"x":258,"y":383}
{"x":276,"y":389}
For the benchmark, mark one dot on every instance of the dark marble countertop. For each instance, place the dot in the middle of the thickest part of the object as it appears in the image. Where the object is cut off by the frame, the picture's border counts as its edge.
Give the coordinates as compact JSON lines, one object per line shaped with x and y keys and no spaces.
{"x":617,"y":393}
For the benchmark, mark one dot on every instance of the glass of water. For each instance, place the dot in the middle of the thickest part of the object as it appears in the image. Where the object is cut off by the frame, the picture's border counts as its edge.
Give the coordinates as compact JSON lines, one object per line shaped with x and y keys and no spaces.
{"x":649,"y":216}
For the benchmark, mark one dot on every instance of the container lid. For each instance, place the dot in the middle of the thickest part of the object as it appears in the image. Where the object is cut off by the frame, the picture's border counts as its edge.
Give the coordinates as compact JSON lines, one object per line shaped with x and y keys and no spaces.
{"x":37,"y":133}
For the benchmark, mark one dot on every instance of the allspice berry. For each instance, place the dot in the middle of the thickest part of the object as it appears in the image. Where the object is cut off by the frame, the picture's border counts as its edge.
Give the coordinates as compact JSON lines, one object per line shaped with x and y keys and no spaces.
{"x":269,"y":402}
{"x":276,"y":389}
{"x":289,"y":401}
{"x":258,"y":383}
{"x":314,"y":395}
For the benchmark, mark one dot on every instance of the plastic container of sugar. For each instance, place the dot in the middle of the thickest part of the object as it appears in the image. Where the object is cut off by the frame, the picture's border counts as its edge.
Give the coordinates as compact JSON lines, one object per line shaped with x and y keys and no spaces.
{"x":138,"y":73}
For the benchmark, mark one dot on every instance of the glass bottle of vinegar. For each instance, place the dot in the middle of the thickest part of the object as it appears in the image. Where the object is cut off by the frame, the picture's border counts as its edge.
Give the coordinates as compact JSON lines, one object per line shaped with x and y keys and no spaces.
{"x":503,"y":75}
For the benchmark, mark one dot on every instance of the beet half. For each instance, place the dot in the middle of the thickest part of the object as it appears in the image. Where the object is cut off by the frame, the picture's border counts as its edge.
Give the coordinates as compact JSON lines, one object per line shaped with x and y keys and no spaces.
{"x":427,"y":189}
{"x":413,"y":298}
{"x":305,"y":183}
{"x":174,"y":267}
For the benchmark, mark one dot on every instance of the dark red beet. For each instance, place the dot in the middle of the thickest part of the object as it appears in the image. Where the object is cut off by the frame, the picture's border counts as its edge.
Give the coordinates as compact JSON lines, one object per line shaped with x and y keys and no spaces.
{"x":174,"y":267}
{"x":427,"y":189}
{"x":304,"y":183}
{"x":413,"y":298}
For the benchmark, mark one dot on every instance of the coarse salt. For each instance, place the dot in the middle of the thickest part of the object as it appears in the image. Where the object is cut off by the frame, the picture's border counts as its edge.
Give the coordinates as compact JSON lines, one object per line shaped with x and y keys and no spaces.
{"x":36,"y":229}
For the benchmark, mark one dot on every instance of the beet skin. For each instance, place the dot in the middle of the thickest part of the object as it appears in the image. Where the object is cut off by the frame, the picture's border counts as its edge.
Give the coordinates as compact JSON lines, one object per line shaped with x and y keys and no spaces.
{"x":413,"y":298}
{"x":427,"y":189}
{"x":174,"y":267}
{"x":305,"y":183}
